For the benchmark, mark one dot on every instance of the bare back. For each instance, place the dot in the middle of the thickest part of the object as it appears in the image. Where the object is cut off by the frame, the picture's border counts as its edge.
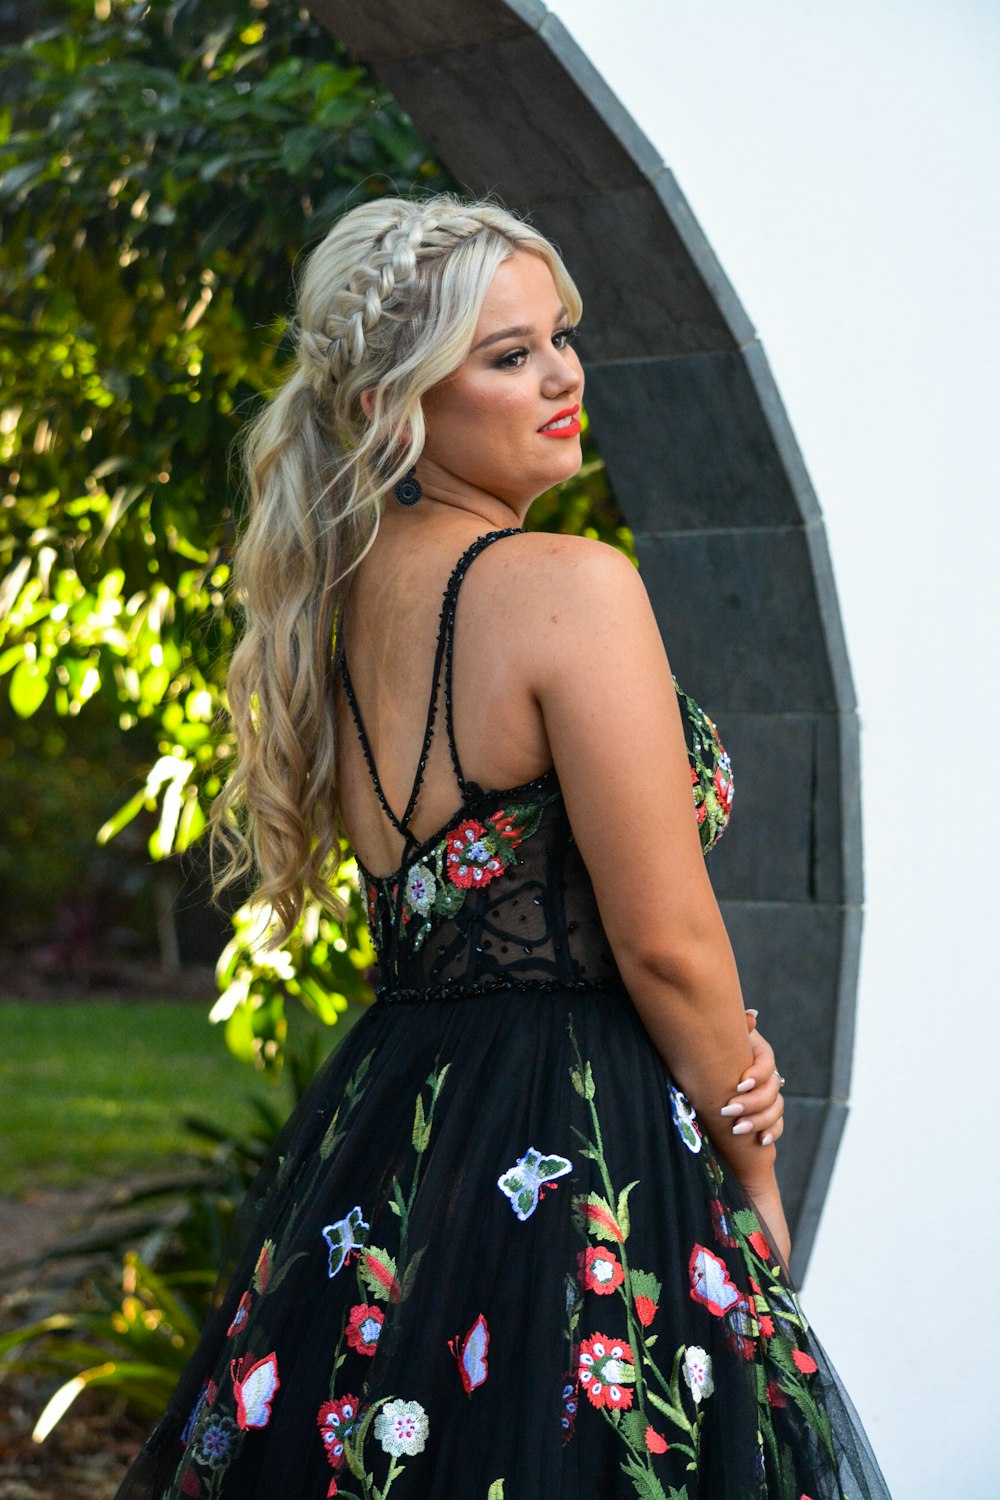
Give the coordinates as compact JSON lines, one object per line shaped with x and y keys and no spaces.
{"x":391,"y":627}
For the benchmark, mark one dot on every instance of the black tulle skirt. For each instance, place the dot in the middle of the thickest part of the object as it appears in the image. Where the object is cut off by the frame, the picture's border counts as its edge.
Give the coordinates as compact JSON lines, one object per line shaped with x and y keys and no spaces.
{"x":493,"y":1255}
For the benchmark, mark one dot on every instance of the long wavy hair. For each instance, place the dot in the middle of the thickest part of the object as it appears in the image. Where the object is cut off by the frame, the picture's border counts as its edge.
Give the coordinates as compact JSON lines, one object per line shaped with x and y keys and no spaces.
{"x":388,"y":301}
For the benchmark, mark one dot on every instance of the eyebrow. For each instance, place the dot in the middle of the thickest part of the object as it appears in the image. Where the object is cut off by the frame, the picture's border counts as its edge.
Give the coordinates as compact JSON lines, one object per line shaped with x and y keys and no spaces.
{"x":520,"y":332}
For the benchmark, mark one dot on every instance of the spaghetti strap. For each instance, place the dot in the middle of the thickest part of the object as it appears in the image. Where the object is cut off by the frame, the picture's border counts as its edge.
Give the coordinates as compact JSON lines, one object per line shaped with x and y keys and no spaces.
{"x":444,"y":650}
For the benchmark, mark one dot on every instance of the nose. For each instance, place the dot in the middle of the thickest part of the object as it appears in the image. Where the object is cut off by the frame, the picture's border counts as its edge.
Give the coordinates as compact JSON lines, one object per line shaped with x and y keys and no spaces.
{"x":563,"y":373}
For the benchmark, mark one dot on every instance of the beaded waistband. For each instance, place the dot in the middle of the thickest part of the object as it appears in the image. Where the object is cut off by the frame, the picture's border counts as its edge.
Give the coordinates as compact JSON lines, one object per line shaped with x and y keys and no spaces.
{"x":456,"y":989}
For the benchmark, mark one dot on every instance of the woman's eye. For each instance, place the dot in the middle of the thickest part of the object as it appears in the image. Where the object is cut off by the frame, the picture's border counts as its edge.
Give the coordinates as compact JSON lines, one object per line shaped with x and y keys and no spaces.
{"x":568,"y":335}
{"x":564,"y":336}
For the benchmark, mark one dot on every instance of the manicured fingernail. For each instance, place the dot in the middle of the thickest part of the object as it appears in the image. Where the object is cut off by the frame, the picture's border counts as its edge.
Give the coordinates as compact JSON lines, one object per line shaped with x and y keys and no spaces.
{"x":742,"y":1127}
{"x":752,"y":1011}
{"x":766,"y":1140}
{"x":746,"y":1085}
{"x":731,"y":1109}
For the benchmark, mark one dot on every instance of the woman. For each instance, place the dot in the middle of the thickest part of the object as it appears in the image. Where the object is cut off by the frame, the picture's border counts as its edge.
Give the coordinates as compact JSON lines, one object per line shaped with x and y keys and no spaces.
{"x":523,"y":1236}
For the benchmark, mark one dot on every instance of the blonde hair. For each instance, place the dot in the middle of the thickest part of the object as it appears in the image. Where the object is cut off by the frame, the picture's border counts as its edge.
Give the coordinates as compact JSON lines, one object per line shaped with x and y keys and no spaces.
{"x":389,"y":300}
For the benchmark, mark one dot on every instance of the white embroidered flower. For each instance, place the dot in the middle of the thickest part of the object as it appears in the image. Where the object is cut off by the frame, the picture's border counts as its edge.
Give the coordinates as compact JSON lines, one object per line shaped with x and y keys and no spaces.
{"x":685,"y":1120}
{"x":421,"y":888}
{"x":698,"y":1372}
{"x":401,"y":1427}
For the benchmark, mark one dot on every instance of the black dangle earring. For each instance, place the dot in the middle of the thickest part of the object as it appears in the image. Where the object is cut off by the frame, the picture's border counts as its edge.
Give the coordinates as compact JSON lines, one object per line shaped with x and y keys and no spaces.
{"x":408,"y":489}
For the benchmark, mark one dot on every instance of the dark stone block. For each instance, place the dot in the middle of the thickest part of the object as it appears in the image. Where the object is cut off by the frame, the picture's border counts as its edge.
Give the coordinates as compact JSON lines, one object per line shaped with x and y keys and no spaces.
{"x":798,"y":966}
{"x":715,"y":445}
{"x":794,"y":798}
{"x":479,"y":108}
{"x":651,"y":286}
{"x":745,"y":620}
{"x":806,"y":1155}
{"x":379,"y":29}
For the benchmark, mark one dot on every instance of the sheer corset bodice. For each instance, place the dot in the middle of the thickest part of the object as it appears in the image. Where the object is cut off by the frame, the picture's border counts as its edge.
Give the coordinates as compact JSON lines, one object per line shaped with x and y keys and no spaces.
{"x":499,"y":897}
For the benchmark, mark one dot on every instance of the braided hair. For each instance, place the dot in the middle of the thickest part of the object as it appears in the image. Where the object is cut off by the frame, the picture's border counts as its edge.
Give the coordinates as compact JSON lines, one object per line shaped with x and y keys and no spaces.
{"x":388,"y":302}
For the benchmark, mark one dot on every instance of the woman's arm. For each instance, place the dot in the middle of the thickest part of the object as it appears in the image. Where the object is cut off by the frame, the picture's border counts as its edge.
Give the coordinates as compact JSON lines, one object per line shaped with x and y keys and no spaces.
{"x":604,"y":686}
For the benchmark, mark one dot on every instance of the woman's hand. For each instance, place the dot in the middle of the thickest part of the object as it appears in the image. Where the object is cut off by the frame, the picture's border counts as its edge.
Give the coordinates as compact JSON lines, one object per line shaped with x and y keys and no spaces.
{"x":757,"y":1104}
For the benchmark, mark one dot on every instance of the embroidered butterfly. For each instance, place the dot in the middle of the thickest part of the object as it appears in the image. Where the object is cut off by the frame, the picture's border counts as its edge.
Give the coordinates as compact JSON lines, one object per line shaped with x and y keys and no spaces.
{"x":471,"y":1354}
{"x":524,"y":1181}
{"x":710,"y":1283}
{"x":254,"y":1386}
{"x":343,"y":1237}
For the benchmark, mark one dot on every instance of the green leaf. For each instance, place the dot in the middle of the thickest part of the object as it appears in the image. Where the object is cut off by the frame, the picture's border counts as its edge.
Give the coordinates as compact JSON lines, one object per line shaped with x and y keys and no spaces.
{"x":621,"y":1209}
{"x":495,"y":1491}
{"x":29,"y":683}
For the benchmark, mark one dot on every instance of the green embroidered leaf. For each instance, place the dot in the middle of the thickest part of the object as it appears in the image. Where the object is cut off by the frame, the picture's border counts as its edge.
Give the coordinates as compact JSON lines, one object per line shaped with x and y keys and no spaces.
{"x":621,"y":1209}
{"x":421,"y":1127}
{"x":634,"y":1428}
{"x":584,"y":1085}
{"x":284,"y":1269}
{"x":746,"y":1221}
{"x":675,"y":1414}
{"x":647,"y":1486}
{"x":331,"y":1137}
{"x":378,"y":1272}
{"x":354,"y":1449}
{"x":645,"y":1284}
{"x":410,"y":1274}
{"x":495,"y":1491}
{"x":651,"y":1340}
{"x":681,"y":1494}
{"x":593,"y":1214}
{"x":436,"y":1081}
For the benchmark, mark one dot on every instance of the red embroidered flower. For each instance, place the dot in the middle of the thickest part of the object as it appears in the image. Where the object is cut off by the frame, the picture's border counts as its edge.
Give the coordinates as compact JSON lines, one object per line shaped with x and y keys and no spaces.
{"x":775,"y":1394}
{"x":336,"y":1420}
{"x":471,"y":861}
{"x":720,"y":1224}
{"x":240,"y":1316}
{"x":804,"y":1362}
{"x":605,"y":1372}
{"x":599,"y":1270}
{"x":723,"y":783}
{"x":655,"y":1441}
{"x":766,"y":1325}
{"x":570,"y":1403}
{"x":646,"y":1310}
{"x":760,"y":1244}
{"x":363,"y":1327}
{"x":190,"y":1484}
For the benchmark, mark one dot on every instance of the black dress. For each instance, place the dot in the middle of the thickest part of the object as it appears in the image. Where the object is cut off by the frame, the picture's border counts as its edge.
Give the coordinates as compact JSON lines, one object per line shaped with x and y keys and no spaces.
{"x":493,"y":1253}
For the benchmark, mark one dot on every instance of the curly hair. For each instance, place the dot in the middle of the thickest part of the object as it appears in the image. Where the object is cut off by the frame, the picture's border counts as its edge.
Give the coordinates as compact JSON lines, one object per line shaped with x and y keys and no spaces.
{"x":388,"y":302}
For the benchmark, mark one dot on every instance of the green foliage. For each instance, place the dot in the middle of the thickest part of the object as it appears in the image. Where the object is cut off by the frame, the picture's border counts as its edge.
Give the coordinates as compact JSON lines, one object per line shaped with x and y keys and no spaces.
{"x":161,"y":168}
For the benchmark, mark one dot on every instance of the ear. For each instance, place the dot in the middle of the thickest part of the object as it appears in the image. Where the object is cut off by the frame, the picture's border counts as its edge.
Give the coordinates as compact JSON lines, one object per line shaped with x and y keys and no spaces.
{"x":367,"y":399}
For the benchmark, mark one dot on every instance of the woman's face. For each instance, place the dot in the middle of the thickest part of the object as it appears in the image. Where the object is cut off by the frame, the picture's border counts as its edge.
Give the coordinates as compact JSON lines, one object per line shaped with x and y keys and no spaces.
{"x":485,"y":423}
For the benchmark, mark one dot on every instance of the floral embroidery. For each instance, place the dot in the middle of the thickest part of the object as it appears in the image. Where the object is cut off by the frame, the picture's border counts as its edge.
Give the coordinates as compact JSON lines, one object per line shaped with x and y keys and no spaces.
{"x":599,"y":1270}
{"x":697,"y":1371}
{"x":570,"y":1403}
{"x":604,"y":1371}
{"x":524,"y":1182}
{"x":711,"y":773}
{"x":467,"y":858}
{"x":240,"y":1316}
{"x":655,"y":1441}
{"x":364,"y":1324}
{"x":401,"y":1427}
{"x":337,"y":1420}
{"x":685,"y":1119}
{"x":215,"y":1442}
{"x":206,"y":1397}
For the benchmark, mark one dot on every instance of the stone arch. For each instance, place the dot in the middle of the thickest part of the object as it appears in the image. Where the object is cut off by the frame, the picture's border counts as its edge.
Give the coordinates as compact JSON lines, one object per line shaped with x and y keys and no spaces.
{"x":710,"y":479}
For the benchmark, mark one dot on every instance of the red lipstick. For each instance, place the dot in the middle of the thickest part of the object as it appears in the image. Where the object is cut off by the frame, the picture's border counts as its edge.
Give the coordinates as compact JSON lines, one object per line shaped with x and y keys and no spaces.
{"x":571,"y":429}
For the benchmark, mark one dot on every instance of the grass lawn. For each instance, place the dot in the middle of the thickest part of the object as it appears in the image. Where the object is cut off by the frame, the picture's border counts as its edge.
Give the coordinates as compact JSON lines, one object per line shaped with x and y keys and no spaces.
{"x":96,"y":1089}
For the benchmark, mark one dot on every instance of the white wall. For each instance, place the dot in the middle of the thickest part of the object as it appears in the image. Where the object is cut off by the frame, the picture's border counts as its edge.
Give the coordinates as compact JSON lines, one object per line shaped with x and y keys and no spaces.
{"x":844,"y":160}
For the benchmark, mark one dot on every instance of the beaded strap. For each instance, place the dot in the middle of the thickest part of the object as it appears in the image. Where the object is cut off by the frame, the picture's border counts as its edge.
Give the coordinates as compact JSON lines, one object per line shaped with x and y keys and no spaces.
{"x":444,"y":649}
